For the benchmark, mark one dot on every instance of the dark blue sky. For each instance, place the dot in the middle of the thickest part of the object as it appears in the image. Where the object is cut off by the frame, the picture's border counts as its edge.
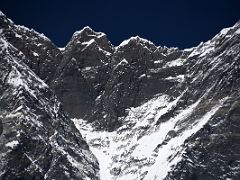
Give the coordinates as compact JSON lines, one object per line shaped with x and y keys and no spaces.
{"x":181,"y":23}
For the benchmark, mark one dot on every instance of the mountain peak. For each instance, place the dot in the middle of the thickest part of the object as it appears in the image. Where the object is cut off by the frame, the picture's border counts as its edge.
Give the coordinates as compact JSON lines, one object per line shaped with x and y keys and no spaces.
{"x":87,"y":36}
{"x":169,"y":111}
{"x":136,"y":40}
{"x":2,"y":14}
{"x":88,"y":32}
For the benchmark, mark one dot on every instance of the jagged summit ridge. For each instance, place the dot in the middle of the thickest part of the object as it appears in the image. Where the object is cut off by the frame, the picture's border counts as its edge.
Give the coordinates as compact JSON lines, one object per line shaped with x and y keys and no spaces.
{"x":88,"y":31}
{"x":179,"y":132}
{"x":149,"y":112}
{"x":88,"y":37}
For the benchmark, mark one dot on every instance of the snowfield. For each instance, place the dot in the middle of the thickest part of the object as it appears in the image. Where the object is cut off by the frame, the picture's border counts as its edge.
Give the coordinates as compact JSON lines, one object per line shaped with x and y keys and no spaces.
{"x":140,"y":148}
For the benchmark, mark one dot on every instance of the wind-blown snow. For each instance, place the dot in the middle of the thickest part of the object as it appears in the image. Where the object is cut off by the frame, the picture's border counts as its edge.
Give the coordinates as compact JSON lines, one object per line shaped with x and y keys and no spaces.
{"x":179,"y":78}
{"x":238,"y":31}
{"x":87,"y":68}
{"x":35,"y":54}
{"x":100,"y":151}
{"x":148,"y":143}
{"x":171,"y":153}
{"x":104,"y":162}
{"x":15,"y":78}
{"x":135,"y":38}
{"x":124,"y":43}
{"x":177,"y":62}
{"x":1,"y":13}
{"x":89,"y":42}
{"x":17,"y":35}
{"x":122,"y":62}
{"x":224,"y":31}
{"x":134,"y":155}
{"x":205,"y":48}
{"x":62,"y":48}
{"x":157,"y":62}
{"x":106,"y":145}
{"x":94,"y":34}
{"x":3,"y":44}
{"x":12,"y":144}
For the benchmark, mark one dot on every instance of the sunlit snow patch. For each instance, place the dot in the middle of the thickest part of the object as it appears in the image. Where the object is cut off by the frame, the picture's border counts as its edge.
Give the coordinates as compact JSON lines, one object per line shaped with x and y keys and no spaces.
{"x":12,"y":144}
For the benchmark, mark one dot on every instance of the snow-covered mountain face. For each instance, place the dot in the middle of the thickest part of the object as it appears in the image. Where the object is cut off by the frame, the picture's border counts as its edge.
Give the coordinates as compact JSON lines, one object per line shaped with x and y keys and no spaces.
{"x":114,"y":78}
{"x":42,"y":55}
{"x":37,"y":139}
{"x":190,"y":130}
{"x":149,"y":112}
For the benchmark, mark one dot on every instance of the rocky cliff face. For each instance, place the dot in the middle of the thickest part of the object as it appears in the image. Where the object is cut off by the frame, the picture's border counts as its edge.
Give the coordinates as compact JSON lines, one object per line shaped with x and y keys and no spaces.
{"x":114,"y":78}
{"x":140,"y":70}
{"x":37,"y":139}
{"x":190,"y":129}
{"x":42,"y":55}
{"x":83,"y":71}
{"x":92,"y":78}
{"x":212,"y":153}
{"x":169,"y":113}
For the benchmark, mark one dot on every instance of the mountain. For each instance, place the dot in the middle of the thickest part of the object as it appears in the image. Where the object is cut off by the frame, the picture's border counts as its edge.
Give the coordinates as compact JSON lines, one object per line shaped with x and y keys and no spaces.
{"x":114,"y":78}
{"x":42,"y":55}
{"x":146,"y":112}
{"x":83,"y":71}
{"x":190,"y":129}
{"x":37,"y":139}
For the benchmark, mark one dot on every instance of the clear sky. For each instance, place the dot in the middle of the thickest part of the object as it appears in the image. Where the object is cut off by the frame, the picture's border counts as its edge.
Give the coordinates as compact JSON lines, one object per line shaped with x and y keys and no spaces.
{"x":178,"y":23}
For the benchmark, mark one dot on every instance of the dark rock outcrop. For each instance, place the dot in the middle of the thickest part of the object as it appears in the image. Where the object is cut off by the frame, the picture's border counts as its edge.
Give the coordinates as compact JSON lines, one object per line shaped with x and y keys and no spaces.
{"x":83,"y":71}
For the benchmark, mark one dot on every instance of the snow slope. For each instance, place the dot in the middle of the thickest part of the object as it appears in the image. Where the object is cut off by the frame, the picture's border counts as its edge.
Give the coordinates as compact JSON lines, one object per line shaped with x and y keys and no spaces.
{"x":139,"y":149}
{"x":156,"y":139}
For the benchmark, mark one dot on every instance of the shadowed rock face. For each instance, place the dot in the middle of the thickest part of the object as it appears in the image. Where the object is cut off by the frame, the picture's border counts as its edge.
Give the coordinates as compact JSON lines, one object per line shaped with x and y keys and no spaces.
{"x":83,"y":71}
{"x":99,"y":82}
{"x":139,"y":72}
{"x":92,"y":78}
{"x":37,"y":139}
